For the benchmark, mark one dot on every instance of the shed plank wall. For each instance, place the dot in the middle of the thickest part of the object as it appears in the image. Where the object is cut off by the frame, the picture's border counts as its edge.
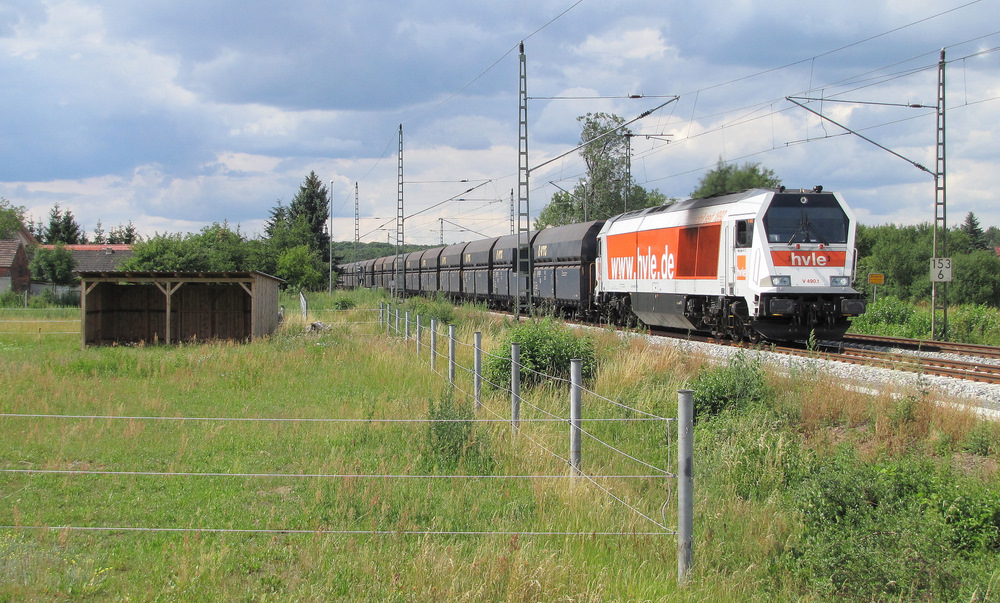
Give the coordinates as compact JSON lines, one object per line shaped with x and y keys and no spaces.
{"x":136,"y":312}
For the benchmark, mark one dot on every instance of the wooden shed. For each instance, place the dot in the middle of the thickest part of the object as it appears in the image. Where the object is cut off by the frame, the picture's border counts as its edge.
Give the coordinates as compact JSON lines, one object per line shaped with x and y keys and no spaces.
{"x":133,"y":307}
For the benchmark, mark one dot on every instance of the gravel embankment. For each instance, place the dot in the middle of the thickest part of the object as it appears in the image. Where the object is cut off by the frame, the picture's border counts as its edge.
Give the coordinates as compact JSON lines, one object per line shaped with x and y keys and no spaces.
{"x":985,"y":398}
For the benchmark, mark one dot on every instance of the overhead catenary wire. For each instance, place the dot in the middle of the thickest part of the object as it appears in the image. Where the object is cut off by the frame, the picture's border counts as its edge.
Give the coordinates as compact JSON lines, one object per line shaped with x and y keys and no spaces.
{"x":812,"y":59}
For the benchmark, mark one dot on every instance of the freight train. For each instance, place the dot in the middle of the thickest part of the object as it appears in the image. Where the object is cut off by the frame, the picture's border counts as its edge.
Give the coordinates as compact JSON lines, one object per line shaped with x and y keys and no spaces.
{"x":774,"y":264}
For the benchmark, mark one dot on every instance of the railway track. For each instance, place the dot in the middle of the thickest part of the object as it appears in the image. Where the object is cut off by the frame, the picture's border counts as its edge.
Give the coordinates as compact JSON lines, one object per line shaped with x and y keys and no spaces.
{"x":970,"y":370}
{"x":922,"y":345}
{"x":974,"y":369}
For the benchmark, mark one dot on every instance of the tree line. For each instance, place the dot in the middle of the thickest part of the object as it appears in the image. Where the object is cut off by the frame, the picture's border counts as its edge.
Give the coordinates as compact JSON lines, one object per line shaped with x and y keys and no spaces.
{"x":296,"y":247}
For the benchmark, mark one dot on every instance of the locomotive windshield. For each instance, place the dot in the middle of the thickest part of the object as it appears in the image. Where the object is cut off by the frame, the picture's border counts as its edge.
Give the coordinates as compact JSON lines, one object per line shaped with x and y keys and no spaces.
{"x":806,"y":218}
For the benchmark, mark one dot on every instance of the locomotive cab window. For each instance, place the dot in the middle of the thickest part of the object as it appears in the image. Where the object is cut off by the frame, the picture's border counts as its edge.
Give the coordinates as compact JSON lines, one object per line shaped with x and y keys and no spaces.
{"x":744,"y":233}
{"x":808,"y":218}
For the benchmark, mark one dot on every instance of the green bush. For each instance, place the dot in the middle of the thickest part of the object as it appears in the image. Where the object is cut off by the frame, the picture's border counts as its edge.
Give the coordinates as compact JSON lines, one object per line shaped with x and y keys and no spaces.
{"x":545,"y":348}
{"x":982,"y":439}
{"x":899,"y":529}
{"x":49,"y":298}
{"x":11,"y":299}
{"x":975,"y":324}
{"x":343,"y":303}
{"x":893,"y":317}
{"x":739,"y":384}
{"x":438,"y":308}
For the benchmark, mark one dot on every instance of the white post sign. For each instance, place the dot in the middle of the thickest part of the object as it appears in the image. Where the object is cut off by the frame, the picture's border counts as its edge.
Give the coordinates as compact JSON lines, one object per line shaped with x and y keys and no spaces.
{"x":940,"y":270}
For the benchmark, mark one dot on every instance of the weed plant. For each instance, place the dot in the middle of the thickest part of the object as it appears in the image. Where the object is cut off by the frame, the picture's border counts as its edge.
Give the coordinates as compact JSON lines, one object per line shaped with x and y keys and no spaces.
{"x":738,"y":385}
{"x":453,"y":442}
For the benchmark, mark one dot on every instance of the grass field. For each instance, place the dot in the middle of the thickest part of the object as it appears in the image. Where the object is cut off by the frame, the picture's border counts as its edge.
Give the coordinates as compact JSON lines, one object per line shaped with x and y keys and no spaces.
{"x":304,"y":467}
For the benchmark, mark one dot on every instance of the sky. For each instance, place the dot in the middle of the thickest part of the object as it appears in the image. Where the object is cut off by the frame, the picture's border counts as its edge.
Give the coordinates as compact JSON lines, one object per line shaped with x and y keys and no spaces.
{"x":175,"y":115}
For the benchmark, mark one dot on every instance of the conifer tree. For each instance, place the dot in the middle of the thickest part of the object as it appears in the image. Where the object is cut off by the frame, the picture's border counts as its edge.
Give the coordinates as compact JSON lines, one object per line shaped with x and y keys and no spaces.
{"x":974,"y":231}
{"x":311,"y":203}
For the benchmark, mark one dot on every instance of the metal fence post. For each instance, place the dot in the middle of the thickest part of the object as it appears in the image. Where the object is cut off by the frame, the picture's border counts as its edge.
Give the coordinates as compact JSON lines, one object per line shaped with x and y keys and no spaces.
{"x":434,"y":342}
{"x":396,"y":332}
{"x":576,"y":380}
{"x":388,"y":318}
{"x":477,"y":364}
{"x":406,"y":335}
{"x":381,"y":314}
{"x":685,"y":486}
{"x":451,"y":355}
{"x":420,"y":328}
{"x":515,"y":385}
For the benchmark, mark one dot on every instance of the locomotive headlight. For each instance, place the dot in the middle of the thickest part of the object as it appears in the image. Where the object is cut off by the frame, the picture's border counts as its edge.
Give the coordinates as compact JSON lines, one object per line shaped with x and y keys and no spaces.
{"x":840,"y":281}
{"x":781,"y":281}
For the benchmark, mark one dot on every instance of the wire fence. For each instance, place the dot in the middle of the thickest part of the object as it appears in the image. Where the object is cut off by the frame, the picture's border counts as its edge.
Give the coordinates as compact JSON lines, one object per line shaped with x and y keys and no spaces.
{"x":398,"y":324}
{"x":39,"y":321}
{"x":609,"y":483}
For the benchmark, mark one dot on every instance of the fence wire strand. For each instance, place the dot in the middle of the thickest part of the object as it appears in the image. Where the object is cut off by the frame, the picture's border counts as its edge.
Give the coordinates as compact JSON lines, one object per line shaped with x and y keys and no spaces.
{"x":393,"y":322}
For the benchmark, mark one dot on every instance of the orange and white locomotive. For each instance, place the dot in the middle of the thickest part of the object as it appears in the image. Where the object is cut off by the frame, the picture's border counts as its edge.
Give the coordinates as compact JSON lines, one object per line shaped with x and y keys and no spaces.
{"x":764,"y":263}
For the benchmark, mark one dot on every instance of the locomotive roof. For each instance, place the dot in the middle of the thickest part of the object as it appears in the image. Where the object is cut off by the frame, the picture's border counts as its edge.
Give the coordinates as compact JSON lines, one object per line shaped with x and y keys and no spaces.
{"x":695,"y":203}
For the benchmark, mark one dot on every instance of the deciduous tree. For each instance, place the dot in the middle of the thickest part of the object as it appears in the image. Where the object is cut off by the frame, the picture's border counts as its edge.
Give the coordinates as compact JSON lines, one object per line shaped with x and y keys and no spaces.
{"x":730,"y":178}
{"x":11,"y":218}
{"x":53,"y":265}
{"x":607,"y":189}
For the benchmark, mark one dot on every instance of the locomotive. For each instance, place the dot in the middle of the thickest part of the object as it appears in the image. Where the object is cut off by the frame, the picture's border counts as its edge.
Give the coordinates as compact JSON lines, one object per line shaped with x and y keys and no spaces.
{"x":773,"y":264}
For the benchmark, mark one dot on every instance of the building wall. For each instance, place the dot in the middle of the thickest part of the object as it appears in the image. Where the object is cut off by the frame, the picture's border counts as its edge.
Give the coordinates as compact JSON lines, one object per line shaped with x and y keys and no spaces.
{"x":18,"y":274}
{"x":136,"y":311}
{"x":265,"y":307}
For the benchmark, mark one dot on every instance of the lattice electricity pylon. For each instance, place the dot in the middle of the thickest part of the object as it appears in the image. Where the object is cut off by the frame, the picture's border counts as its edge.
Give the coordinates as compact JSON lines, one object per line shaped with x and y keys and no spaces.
{"x":523,"y":261}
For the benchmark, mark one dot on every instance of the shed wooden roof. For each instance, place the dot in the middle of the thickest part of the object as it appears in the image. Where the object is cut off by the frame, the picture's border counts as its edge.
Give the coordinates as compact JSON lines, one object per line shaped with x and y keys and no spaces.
{"x":150,"y":276}
{"x":8,"y":250}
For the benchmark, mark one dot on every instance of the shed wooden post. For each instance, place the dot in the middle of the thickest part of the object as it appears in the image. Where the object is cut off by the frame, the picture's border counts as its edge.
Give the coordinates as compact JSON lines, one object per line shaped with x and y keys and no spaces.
{"x":85,"y":289}
{"x":168,"y":289}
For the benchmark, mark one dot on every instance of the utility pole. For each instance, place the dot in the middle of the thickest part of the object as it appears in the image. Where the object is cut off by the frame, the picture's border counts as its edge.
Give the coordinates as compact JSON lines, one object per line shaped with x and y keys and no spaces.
{"x":357,"y":231}
{"x":522,"y":257}
{"x":940,"y":273}
{"x":330,"y":239}
{"x":628,"y":166}
{"x":939,"y":288}
{"x":400,"y":272}
{"x":512,"y":211}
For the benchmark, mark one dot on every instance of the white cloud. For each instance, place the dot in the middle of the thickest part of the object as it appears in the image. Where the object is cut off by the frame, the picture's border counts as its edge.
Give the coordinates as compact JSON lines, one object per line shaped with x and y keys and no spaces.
{"x":618,"y":47}
{"x":146,"y":112}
